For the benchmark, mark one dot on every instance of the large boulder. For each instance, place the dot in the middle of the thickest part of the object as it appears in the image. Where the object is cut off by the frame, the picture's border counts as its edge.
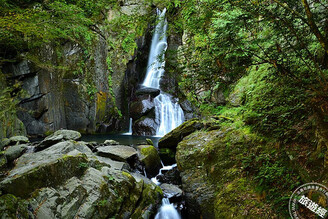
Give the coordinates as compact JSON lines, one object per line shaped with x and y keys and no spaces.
{"x":50,"y":167}
{"x":118,"y":152}
{"x":98,"y":194}
{"x":149,"y":156}
{"x":144,"y":126}
{"x":171,"y":139}
{"x":153,"y":92}
{"x":171,"y":191}
{"x":212,"y":177}
{"x":58,"y":136}
{"x":141,"y":108}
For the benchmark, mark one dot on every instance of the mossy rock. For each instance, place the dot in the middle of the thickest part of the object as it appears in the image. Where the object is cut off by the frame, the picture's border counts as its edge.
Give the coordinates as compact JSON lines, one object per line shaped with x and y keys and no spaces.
{"x":239,"y":200}
{"x":13,"y":207}
{"x":150,"y":158}
{"x":171,"y":139}
{"x":13,"y":152}
{"x":23,"y":181}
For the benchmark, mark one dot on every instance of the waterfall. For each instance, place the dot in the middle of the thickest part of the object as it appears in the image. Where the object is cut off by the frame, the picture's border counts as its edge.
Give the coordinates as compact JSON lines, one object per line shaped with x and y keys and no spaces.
{"x":169,"y":114}
{"x":130,"y":128}
{"x":167,"y":211}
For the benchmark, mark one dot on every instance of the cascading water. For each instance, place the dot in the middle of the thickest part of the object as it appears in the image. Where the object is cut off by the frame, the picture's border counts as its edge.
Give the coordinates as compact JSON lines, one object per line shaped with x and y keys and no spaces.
{"x":169,"y":114}
{"x":130,"y":128}
{"x":167,"y":211}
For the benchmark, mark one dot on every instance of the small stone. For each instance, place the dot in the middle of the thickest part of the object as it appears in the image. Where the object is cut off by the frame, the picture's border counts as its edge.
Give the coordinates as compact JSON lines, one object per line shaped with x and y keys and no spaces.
{"x":111,"y":142}
{"x":15,"y":152}
{"x":18,"y":140}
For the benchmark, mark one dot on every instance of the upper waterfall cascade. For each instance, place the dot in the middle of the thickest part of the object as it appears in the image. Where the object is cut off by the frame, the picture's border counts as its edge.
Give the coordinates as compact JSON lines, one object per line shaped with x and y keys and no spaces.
{"x":168,"y":112}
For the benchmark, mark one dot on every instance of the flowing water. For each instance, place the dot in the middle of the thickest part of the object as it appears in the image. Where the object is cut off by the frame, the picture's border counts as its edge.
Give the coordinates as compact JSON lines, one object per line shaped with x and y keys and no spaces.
{"x":167,"y":211}
{"x":169,"y":114}
{"x":130,"y":128}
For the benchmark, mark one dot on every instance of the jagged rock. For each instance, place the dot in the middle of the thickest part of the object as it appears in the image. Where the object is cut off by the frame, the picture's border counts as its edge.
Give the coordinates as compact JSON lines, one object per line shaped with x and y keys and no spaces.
{"x":190,"y":153}
{"x":48,"y":141}
{"x":171,"y":176}
{"x":118,"y":152}
{"x":17,"y":140}
{"x":171,"y":139}
{"x":32,"y":174}
{"x":141,"y":108}
{"x":150,"y":158}
{"x":144,"y":126}
{"x":186,"y":106}
{"x":116,"y":165}
{"x":153,"y":92}
{"x":58,"y":136}
{"x":111,"y":142}
{"x":13,"y":152}
{"x":98,"y":194}
{"x":171,"y":191}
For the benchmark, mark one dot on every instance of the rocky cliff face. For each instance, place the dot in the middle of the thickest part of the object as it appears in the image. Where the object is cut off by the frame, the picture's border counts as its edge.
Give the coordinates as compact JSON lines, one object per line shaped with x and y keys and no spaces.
{"x":69,"y":87}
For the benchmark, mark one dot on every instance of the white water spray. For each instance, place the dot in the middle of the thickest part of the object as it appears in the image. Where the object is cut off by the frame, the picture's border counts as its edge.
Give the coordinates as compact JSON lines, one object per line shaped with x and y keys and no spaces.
{"x":167,"y":211}
{"x":130,"y":128}
{"x":169,"y":114}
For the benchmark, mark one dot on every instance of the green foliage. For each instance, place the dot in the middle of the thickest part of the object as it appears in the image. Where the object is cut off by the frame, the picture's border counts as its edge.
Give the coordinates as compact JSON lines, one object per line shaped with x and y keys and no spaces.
{"x":8,"y":106}
{"x":102,"y":203}
{"x":274,"y":106}
{"x":83,"y":165}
